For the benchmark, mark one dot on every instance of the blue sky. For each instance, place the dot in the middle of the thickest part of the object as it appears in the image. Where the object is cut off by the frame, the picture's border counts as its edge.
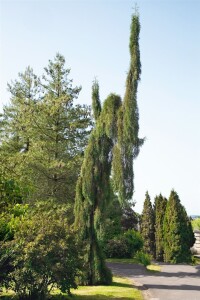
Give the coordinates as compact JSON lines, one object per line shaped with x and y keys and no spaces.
{"x":93,"y":36}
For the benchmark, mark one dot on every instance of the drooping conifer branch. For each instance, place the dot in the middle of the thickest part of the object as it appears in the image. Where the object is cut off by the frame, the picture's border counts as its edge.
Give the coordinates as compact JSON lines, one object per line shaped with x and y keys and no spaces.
{"x":96,"y":104}
{"x":128,"y":142}
{"x":112,"y":146}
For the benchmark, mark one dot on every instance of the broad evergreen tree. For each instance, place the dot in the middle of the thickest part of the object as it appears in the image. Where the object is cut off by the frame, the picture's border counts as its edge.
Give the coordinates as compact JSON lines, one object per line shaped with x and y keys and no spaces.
{"x":130,"y":219}
{"x":159,"y":209}
{"x":147,"y":226}
{"x":178,"y":234}
{"x":45,"y":133}
{"x":112,"y":146}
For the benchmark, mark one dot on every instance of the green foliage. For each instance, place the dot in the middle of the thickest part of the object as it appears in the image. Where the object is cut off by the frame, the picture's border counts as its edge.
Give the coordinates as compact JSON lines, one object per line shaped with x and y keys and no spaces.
{"x":178,"y":234}
{"x":159,"y":209}
{"x":44,"y":255}
{"x":10,"y":194}
{"x":11,"y":214}
{"x":11,"y":208}
{"x":94,"y":189}
{"x":111,"y":225}
{"x":134,"y":242}
{"x":116,"y":247}
{"x":44,"y":134}
{"x":125,"y":245}
{"x":10,"y":220}
{"x":148,"y":226}
{"x":117,"y":220}
{"x":112,"y":146}
{"x":143,"y":258}
{"x":196,"y":224}
{"x":130,"y":219}
{"x":129,"y":143}
{"x":96,"y":104}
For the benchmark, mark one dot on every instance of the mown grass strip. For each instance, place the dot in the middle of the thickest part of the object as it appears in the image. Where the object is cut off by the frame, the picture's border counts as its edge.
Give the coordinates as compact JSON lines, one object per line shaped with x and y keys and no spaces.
{"x":152,"y":267}
{"x":122,"y":260}
{"x":121,"y":289}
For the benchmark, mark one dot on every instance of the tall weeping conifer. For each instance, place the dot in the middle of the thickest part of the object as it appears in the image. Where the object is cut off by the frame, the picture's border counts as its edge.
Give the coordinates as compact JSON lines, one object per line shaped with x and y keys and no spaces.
{"x":112,"y":146}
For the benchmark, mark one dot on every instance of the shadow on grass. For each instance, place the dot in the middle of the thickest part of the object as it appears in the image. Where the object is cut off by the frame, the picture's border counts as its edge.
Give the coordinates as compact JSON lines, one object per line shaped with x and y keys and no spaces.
{"x":74,"y":297}
{"x":2,"y":297}
{"x":96,"y":296}
{"x":81,"y":297}
{"x":119,"y":284}
{"x":88,"y":297}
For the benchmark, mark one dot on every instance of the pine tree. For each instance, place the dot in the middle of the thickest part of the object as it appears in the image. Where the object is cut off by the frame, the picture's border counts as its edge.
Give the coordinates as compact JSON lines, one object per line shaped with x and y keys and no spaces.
{"x":112,"y":146}
{"x":15,"y":123}
{"x":159,"y":209}
{"x":148,"y":226}
{"x":178,"y":234}
{"x":45,"y":133}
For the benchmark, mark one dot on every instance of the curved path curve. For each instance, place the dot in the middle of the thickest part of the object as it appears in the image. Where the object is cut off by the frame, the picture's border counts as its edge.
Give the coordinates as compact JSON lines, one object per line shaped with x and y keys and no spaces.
{"x":174,"y":282}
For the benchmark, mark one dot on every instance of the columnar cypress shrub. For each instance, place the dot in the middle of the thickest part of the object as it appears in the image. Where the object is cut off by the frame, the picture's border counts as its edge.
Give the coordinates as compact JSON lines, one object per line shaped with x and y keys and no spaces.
{"x":148,"y":226}
{"x":159,"y":209}
{"x":112,"y":146}
{"x":178,"y":234}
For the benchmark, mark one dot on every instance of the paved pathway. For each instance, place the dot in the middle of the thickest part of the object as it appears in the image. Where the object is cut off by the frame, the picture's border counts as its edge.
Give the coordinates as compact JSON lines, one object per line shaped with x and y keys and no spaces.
{"x":174,"y":282}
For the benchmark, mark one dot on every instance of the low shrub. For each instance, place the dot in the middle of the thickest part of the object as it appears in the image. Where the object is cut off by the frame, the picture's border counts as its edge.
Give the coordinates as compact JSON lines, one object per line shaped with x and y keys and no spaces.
{"x":143,"y":258}
{"x":116,"y":248}
{"x":124,"y":246}
{"x":45,"y":254}
{"x":134,"y":242}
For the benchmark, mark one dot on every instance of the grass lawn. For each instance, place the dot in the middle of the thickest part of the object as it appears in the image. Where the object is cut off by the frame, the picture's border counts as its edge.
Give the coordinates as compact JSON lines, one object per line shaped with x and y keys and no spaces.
{"x":121,"y":289}
{"x":122,"y":260}
{"x":152,"y":267}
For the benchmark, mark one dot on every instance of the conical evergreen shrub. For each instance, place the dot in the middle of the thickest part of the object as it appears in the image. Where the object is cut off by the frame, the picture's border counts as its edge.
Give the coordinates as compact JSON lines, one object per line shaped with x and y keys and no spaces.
{"x":178,"y":234}
{"x":159,"y":209}
{"x":148,"y":226}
